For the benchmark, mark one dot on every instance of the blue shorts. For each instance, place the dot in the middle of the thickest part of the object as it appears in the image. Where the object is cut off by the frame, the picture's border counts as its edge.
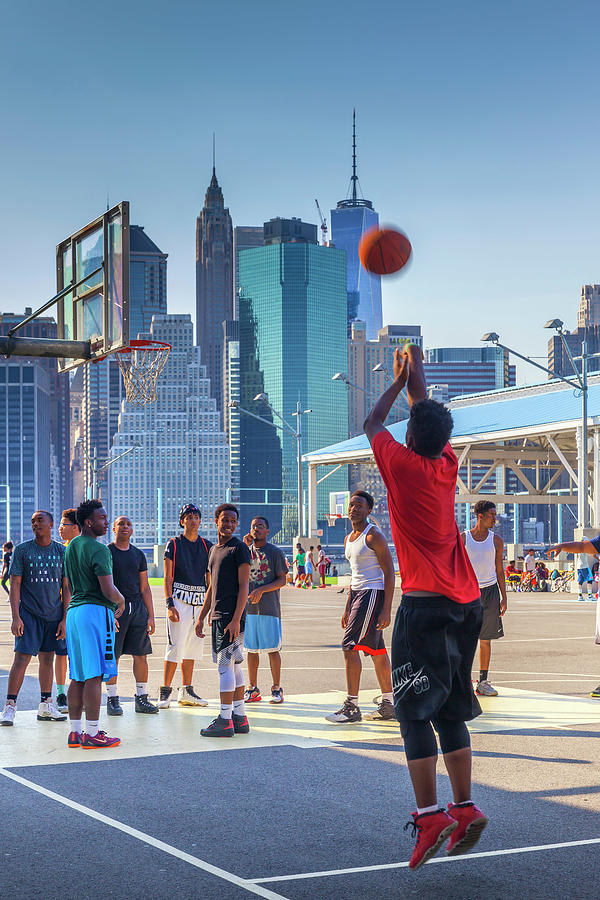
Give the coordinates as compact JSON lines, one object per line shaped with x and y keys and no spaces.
{"x":91,"y":642}
{"x":262,"y":633}
{"x":39,"y":635}
{"x":584,"y":575}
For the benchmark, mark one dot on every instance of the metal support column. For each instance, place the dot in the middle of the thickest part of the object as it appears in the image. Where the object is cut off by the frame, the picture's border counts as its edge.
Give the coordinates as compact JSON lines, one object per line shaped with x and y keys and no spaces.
{"x":312,"y":500}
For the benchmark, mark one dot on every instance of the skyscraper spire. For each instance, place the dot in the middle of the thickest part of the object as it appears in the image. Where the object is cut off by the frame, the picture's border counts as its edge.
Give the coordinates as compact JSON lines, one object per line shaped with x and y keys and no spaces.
{"x":353,"y":198}
{"x":214,"y":153}
{"x":354,"y":175}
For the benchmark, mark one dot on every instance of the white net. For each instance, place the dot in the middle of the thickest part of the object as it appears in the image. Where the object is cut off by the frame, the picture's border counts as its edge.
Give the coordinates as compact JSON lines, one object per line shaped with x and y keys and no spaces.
{"x":141,"y":363}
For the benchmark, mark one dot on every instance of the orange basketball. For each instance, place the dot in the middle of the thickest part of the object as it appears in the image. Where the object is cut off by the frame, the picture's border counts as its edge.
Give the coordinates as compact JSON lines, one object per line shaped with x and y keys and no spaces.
{"x":384,"y":250}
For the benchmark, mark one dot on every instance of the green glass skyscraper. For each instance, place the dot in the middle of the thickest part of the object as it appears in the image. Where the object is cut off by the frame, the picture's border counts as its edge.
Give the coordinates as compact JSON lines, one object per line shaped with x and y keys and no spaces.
{"x":293,"y":338}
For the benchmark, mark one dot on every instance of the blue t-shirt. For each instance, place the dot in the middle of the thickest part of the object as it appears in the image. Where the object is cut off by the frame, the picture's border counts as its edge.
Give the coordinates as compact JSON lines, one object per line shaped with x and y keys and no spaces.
{"x":41,"y":571}
{"x":595,"y":542}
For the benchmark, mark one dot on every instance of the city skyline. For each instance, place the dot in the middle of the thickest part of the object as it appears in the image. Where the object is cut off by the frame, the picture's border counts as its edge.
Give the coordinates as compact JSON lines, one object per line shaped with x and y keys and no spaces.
{"x":468,"y":140}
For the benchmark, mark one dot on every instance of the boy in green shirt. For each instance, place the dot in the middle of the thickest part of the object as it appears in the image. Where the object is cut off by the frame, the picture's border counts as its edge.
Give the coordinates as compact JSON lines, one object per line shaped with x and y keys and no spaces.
{"x":90,"y":625}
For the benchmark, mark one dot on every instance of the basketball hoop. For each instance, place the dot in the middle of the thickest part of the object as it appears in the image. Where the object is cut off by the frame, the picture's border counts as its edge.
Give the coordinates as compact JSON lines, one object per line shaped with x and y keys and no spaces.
{"x":332,"y":518}
{"x":141,"y":363}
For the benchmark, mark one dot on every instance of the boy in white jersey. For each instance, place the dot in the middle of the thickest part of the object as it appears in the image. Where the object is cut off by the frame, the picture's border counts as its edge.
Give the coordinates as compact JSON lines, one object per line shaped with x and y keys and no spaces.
{"x":484,"y":549}
{"x":368,"y":611}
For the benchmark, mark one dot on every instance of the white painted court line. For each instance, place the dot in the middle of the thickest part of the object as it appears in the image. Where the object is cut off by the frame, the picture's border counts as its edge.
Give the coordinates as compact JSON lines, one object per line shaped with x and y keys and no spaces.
{"x":146,"y":838}
{"x":585,"y":637}
{"x":440,"y":859}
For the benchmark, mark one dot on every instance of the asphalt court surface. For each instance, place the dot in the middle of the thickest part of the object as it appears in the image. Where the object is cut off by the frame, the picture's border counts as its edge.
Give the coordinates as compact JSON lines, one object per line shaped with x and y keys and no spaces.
{"x":300,"y":808}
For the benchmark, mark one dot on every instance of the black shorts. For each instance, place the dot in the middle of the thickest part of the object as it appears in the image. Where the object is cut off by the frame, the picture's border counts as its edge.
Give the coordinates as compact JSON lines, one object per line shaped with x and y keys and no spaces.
{"x":433,"y":646}
{"x":39,"y":635}
{"x":132,"y":638}
{"x":492,"y":622}
{"x":223,"y":648}
{"x":301,"y":570}
{"x":361,"y":631}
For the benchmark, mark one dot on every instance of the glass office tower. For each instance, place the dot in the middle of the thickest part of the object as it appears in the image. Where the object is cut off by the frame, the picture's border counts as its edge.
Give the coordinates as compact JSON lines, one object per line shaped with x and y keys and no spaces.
{"x":348,"y":224}
{"x":349,"y":221}
{"x":293,"y":315}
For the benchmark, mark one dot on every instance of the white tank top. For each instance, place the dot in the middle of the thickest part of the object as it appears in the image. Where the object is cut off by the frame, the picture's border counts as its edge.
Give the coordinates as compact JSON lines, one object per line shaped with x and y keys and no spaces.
{"x":483,"y":558}
{"x":365,"y":571}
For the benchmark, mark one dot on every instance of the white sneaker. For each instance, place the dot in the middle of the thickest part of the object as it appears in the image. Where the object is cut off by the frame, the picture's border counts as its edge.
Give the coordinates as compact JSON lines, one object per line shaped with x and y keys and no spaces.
{"x":164,"y":697}
{"x":8,"y":714}
{"x":47,"y":712}
{"x":187,"y":696}
{"x":485,"y":689}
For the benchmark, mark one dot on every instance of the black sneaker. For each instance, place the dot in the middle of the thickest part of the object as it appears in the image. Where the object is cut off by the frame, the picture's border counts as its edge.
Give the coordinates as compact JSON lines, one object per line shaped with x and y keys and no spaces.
{"x":143,"y":705}
{"x":219,"y":728}
{"x":61,"y":703}
{"x":240,"y":724}
{"x":113,"y":707}
{"x":347,"y":713}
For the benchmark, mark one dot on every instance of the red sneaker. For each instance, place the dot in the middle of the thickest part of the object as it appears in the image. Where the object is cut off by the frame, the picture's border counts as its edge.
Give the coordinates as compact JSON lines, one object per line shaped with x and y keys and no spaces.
{"x":471,"y":822}
{"x":431,"y":830}
{"x":252,"y":695}
{"x":100,"y":741}
{"x":75,"y":739}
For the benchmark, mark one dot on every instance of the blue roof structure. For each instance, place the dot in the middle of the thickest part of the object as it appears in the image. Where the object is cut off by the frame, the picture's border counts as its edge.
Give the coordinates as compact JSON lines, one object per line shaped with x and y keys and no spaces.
{"x":482,"y":416}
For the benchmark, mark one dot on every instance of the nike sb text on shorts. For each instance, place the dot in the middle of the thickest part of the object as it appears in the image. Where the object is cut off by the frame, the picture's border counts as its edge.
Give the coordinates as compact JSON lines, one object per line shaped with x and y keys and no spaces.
{"x":182,"y":640}
{"x":361,"y":631}
{"x":492,"y":621}
{"x":433,"y":646}
{"x":91,"y":642}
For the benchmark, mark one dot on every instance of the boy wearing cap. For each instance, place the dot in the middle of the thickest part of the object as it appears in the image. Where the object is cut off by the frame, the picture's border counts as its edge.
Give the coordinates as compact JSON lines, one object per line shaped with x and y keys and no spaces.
{"x":186,"y":563}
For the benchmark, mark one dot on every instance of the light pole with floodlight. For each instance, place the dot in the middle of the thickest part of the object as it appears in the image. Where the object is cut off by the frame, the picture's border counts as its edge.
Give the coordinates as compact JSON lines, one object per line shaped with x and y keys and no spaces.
{"x":285,"y":426}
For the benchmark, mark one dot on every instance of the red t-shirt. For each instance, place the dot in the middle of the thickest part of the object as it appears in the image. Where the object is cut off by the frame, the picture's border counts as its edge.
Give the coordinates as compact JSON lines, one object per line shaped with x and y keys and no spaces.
{"x":431,"y":554}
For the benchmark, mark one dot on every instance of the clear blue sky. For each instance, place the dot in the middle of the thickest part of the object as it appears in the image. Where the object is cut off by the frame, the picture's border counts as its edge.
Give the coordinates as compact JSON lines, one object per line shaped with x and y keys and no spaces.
{"x":478,"y":135}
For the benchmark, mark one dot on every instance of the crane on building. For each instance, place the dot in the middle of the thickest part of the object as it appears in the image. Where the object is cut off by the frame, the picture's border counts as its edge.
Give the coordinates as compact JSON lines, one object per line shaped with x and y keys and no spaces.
{"x":323,"y":224}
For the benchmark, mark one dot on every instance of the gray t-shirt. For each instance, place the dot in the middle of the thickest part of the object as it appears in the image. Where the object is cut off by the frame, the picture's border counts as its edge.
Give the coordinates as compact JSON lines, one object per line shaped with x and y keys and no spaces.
{"x":267,"y":563}
{"x":41,"y":571}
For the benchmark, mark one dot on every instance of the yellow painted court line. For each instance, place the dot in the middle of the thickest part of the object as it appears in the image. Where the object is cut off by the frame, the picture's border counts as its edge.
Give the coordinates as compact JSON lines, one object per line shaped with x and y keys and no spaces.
{"x":441,"y":859}
{"x":299,"y":722}
{"x":146,"y":838}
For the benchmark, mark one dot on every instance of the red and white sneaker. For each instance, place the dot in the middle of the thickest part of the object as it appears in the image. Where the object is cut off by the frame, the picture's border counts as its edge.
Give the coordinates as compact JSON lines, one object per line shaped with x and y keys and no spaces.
{"x":100,"y":741}
{"x":252,"y":695}
{"x":75,"y":738}
{"x":431,"y":830}
{"x":471,"y":822}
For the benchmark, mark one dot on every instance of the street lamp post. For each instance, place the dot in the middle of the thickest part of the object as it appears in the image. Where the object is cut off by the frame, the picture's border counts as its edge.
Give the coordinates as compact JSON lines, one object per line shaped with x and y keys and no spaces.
{"x":341,"y":376}
{"x":296,"y":433}
{"x":95,"y":468}
{"x":581,"y":385}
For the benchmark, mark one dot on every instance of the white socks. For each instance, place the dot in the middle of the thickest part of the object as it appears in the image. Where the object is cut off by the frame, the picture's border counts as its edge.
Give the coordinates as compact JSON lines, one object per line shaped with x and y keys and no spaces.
{"x":239,"y":708}
{"x":91,"y":728}
{"x":389,"y":697}
{"x":141,"y":688}
{"x":226,"y":710}
{"x":427,"y":809}
{"x":76,"y":725}
{"x":111,"y":690}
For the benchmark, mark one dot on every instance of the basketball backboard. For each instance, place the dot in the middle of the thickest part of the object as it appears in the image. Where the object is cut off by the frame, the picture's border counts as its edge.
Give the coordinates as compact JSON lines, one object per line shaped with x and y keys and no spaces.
{"x":338,"y":503}
{"x":95,"y":260}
